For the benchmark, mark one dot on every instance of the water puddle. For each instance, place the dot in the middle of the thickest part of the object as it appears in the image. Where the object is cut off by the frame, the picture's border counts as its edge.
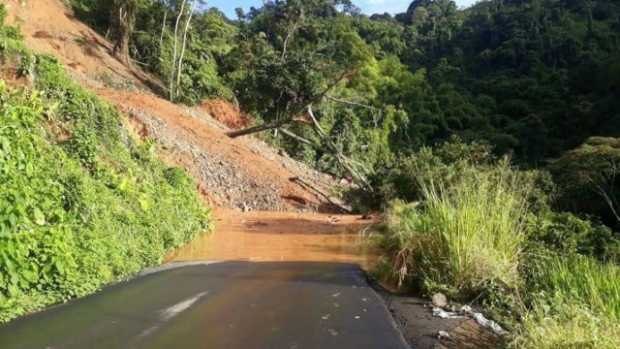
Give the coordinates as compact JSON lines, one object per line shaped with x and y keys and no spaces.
{"x":283,"y":236}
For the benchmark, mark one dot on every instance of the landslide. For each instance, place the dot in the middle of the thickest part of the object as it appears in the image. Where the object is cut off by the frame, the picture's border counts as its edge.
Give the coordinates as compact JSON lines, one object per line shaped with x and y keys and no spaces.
{"x":244,"y":174}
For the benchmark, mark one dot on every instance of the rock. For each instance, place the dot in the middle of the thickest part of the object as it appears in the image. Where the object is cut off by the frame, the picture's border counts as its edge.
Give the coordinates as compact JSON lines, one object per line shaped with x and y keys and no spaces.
{"x":440,"y":300}
{"x":443,"y":335}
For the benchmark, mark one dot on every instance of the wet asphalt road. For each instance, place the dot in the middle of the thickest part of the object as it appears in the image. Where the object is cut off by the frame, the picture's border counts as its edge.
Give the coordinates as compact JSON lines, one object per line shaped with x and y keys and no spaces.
{"x":224,"y":305}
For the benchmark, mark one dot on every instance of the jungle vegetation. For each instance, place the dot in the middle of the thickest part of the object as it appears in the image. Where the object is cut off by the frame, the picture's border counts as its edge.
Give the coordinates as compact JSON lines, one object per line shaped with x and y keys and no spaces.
{"x":490,"y":135}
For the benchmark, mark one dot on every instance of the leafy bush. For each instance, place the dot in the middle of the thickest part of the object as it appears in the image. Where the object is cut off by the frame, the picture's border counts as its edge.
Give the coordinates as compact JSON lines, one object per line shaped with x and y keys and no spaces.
{"x":589,"y":177}
{"x":82,"y":207}
{"x":467,"y":234}
{"x":567,"y":234}
{"x":445,"y":162}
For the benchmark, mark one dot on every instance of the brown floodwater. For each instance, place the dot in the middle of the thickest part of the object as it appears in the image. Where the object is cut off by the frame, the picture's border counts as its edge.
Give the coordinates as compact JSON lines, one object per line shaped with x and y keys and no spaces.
{"x":285,"y":237}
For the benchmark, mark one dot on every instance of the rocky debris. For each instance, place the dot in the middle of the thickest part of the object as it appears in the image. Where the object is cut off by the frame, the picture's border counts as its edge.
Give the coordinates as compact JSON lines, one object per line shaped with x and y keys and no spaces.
{"x":440,"y":300}
{"x":224,"y":180}
{"x":422,"y":330}
{"x":443,"y":335}
{"x":244,"y":174}
{"x":467,"y":312}
{"x":323,"y":182}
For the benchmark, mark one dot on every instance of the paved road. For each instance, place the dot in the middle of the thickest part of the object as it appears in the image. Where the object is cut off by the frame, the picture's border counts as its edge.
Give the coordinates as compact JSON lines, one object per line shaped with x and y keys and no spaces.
{"x":224,"y":305}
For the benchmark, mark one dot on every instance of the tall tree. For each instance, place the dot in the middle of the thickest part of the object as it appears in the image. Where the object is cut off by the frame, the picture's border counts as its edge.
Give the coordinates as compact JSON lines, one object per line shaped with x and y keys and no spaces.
{"x":123,"y":19}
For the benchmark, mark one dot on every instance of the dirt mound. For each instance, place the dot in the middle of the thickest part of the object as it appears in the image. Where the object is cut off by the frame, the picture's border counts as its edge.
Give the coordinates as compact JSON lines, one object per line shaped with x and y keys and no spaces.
{"x":50,"y":27}
{"x":243,"y":174}
{"x":226,"y":113}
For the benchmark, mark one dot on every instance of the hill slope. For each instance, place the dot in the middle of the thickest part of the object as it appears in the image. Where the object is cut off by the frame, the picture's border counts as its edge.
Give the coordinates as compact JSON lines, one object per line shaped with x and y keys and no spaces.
{"x":243,"y":173}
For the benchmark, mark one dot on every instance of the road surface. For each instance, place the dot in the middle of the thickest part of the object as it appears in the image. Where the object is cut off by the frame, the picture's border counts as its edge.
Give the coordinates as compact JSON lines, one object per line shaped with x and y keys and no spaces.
{"x":290,"y":305}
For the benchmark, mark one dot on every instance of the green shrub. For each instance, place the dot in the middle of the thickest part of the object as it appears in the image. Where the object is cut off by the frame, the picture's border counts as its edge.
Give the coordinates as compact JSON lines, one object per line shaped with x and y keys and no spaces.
{"x":446,"y":161}
{"x":589,"y":177}
{"x":79,"y":213}
{"x":566,"y":234}
{"x":466,"y":236}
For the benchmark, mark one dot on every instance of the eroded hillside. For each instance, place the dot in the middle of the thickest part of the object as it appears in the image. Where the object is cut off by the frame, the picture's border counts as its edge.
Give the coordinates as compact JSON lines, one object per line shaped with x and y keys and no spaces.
{"x":243,"y":174}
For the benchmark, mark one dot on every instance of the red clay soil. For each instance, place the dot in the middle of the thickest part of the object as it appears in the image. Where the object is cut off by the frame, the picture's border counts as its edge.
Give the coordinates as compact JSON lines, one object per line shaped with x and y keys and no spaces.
{"x":50,"y":27}
{"x":250,"y":163}
{"x":226,"y":113}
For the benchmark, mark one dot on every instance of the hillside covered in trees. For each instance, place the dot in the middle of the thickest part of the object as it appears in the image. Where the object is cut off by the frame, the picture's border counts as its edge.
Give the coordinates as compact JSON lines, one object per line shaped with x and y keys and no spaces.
{"x":532,"y":79}
{"x":489,"y":135}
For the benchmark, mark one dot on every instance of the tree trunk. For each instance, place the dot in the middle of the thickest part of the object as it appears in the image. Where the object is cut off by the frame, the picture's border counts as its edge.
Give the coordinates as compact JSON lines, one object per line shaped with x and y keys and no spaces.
{"x":259,"y":128}
{"x":163,"y":31}
{"x":174,"y":54}
{"x":180,"y":67}
{"x":282,"y":122}
{"x":344,"y":161}
{"x":123,"y":19}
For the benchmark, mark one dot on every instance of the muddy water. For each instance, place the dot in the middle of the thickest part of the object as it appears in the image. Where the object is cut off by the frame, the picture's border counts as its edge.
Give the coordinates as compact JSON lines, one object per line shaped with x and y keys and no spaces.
{"x":286,"y":237}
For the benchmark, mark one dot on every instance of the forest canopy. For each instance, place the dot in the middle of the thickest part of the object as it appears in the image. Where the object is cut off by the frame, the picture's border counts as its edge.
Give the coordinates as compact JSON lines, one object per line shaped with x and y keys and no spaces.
{"x":533,"y":79}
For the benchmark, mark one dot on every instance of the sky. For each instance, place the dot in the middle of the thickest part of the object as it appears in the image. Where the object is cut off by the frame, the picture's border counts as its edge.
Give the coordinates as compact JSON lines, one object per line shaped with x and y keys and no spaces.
{"x":367,"y":6}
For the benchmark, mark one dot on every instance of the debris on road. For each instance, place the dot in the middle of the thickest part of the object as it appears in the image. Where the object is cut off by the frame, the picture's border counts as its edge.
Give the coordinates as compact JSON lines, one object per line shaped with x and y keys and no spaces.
{"x":467,"y":312}
{"x":440,"y":300}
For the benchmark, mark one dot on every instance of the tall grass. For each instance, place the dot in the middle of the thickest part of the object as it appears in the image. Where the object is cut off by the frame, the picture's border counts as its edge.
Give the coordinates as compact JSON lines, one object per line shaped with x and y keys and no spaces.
{"x":575,"y":304}
{"x":466,"y":235}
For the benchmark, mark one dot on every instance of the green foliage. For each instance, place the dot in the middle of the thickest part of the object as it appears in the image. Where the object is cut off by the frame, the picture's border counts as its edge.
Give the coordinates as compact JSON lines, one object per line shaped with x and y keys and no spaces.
{"x":290,"y":54}
{"x":445,"y":163}
{"x":210,"y":39}
{"x":568,"y":234}
{"x":83,"y":208}
{"x":481,"y":230}
{"x":589,"y":177}
{"x":575,"y":302}
{"x":467,"y":234}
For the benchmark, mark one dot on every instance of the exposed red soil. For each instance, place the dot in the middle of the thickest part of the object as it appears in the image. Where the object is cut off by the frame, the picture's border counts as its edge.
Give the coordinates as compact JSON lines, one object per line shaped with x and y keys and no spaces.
{"x":50,"y":27}
{"x":213,"y":140}
{"x":226,"y":113}
{"x":87,"y":57}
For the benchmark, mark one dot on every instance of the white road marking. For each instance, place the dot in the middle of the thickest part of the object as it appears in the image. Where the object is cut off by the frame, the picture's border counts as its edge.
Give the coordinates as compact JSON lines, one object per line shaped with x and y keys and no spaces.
{"x":178,"y":308}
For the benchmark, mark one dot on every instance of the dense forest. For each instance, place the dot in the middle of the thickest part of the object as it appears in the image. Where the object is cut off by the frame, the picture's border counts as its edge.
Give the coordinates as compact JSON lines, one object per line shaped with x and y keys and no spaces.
{"x":489,"y":135}
{"x":532,"y":79}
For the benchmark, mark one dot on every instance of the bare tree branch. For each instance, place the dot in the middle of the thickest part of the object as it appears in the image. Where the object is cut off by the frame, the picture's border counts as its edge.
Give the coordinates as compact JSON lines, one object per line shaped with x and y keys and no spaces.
{"x":174,"y":54}
{"x":342,"y":159}
{"x":299,"y":138}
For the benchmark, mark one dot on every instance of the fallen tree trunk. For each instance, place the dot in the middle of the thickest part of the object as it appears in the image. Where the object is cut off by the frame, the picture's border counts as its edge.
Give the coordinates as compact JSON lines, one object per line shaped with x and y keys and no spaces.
{"x":342,"y":159}
{"x":282,"y":122}
{"x":307,"y":185}
{"x":259,"y":128}
{"x":299,"y":138}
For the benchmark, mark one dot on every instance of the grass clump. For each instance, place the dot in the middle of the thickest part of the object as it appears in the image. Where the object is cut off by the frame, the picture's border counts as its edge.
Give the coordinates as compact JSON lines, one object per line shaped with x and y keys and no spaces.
{"x":574,"y":303}
{"x":465,"y":237}
{"x":482,"y":231}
